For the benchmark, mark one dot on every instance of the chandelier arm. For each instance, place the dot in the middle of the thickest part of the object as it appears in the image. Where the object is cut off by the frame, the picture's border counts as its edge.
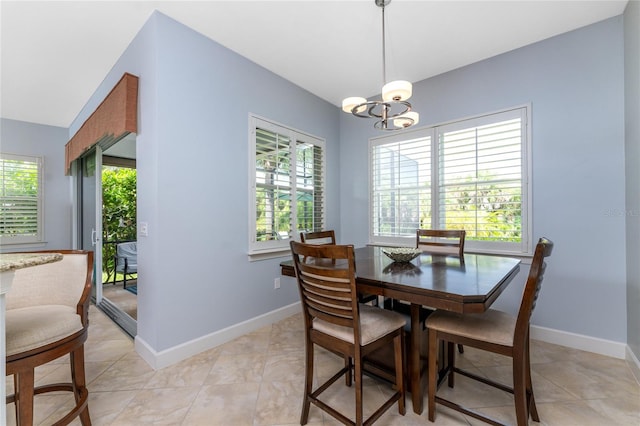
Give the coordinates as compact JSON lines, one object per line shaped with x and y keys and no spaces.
{"x":385,"y":109}
{"x":384,"y":125}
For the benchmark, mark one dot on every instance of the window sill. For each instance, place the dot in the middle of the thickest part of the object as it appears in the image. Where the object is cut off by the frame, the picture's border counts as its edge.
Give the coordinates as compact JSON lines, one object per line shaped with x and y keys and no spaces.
{"x":5,"y":247}
{"x":257,"y":256}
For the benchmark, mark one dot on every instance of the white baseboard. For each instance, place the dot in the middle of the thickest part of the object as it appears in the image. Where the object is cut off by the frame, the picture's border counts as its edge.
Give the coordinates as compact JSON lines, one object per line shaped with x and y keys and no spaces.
{"x":161,"y":359}
{"x":634,"y":364}
{"x":579,"y":341}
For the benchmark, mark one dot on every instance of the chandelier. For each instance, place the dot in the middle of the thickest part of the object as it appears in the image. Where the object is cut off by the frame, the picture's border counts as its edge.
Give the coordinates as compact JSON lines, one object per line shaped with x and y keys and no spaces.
{"x":393,"y":112}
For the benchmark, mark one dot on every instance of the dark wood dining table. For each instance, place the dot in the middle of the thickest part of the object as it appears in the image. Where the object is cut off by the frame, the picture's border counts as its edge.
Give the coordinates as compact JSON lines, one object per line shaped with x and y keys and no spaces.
{"x":467,"y":285}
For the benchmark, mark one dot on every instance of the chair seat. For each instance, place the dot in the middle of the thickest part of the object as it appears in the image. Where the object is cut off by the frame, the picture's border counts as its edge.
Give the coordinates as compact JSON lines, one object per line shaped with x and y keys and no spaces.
{"x":132,"y":268}
{"x":491,"y":326}
{"x":374,"y":323}
{"x":37,"y":326}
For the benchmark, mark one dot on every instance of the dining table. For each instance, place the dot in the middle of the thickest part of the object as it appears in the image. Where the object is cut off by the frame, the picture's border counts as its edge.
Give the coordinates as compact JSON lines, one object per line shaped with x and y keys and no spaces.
{"x":466,"y":284}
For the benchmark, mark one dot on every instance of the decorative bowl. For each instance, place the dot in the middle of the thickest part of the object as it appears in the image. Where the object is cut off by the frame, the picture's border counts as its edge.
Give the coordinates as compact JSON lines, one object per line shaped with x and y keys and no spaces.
{"x":401,"y":254}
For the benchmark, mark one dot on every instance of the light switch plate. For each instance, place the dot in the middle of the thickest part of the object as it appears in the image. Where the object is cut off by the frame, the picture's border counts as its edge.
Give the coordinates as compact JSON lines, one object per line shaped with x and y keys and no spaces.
{"x":144,"y":229}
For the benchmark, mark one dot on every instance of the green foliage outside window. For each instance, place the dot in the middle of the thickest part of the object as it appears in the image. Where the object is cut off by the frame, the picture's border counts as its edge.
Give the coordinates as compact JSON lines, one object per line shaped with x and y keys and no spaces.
{"x":119,"y":199}
{"x":19,"y":197}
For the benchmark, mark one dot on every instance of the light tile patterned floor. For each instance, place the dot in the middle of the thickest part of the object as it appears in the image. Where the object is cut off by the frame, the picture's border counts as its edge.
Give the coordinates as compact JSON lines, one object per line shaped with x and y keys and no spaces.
{"x":257,"y":380}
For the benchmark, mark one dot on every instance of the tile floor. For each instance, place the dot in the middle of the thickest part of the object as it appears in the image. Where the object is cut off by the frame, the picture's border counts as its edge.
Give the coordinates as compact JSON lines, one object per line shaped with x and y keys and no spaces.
{"x":257,"y":380}
{"x":123,"y":299}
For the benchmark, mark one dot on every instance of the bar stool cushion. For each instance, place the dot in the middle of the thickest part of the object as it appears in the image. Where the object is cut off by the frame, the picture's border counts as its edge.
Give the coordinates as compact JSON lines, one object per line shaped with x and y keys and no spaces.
{"x":37,"y":326}
{"x":494,"y":326}
{"x":374,"y":323}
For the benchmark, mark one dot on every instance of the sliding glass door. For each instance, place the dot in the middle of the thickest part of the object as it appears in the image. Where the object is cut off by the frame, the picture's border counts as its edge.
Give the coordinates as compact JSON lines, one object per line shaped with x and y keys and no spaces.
{"x":90,"y":232}
{"x":89,"y":212}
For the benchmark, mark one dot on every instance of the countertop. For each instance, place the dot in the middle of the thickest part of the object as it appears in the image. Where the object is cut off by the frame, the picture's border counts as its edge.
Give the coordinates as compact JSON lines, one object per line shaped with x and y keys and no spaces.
{"x":13,"y":261}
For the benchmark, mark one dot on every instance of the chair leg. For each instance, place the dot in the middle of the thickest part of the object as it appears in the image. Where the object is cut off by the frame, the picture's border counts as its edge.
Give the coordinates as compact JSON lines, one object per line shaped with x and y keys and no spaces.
{"x":451,"y":358}
{"x":308,"y":383}
{"x":432,"y":373}
{"x":460,"y":348}
{"x":398,"y":344}
{"x":348,"y":364}
{"x":531,"y":400}
{"x":519,"y":390}
{"x":358,"y":380}
{"x":24,"y":391}
{"x":78,"y":381}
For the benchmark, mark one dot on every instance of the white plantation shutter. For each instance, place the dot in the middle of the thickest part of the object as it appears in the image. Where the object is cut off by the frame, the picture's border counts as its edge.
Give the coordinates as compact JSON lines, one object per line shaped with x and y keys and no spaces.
{"x":478,"y":182}
{"x":401,"y":196}
{"x":20,"y":199}
{"x":309,"y":187}
{"x":273,"y":185}
{"x":480,"y":179}
{"x":287,"y":185}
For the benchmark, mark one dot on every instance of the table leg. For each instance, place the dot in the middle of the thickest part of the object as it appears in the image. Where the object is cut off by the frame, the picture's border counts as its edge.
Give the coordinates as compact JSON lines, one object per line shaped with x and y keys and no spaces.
{"x":414,"y":348}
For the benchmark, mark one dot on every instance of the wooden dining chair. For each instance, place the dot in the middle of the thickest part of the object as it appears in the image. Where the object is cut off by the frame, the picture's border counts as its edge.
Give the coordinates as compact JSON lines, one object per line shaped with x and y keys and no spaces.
{"x":47,"y":317}
{"x":493,"y":331}
{"x":435,"y":242}
{"x":318,"y":237}
{"x":441,"y":241}
{"x":336,"y":321}
{"x":327,"y":238}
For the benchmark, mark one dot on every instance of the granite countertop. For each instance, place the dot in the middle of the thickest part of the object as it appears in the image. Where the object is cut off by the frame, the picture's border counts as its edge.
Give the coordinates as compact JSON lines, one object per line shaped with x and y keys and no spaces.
{"x":13,"y":261}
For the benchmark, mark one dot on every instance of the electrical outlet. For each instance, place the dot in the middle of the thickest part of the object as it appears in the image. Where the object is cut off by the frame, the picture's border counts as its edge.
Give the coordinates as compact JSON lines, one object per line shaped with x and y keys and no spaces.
{"x":276,"y":283}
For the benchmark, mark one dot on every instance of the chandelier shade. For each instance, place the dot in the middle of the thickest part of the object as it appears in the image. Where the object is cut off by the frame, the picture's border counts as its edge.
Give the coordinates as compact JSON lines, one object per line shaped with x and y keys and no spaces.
{"x":407,"y":119}
{"x":398,"y":90}
{"x":348,"y":104}
{"x":393,"y":111}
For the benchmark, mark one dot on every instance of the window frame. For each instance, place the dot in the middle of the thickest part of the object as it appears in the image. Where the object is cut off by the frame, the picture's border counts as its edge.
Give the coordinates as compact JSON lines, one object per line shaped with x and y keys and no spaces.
{"x":273,"y":248}
{"x":522,"y":248}
{"x":38,"y":238}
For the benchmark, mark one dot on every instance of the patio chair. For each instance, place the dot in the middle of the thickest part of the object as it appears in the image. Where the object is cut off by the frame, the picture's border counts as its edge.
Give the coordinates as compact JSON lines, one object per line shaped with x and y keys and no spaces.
{"x":126,"y":260}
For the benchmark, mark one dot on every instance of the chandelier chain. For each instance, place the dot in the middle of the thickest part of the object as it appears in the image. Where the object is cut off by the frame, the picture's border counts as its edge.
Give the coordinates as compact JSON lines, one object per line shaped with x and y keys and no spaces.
{"x":384,"y":51}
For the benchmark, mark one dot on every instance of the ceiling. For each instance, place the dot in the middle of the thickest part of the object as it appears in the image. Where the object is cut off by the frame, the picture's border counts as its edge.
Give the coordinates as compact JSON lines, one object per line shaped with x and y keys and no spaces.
{"x":55,"y":54}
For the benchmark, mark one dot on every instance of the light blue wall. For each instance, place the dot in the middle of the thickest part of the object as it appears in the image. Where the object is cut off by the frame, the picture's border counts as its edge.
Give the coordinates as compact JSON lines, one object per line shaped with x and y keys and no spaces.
{"x":192,"y":157}
{"x":19,"y":137}
{"x":192,"y":148}
{"x":574,"y":83}
{"x":632,"y":157}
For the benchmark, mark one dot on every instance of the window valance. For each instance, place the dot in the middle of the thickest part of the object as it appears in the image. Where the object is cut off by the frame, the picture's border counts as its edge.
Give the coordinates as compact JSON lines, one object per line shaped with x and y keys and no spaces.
{"x":114,"y":118}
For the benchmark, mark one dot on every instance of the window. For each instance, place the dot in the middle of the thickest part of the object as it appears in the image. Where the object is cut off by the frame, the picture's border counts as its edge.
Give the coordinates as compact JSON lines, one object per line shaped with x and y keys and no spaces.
{"x":287,"y":185}
{"x":471,"y":174}
{"x":20,"y":199}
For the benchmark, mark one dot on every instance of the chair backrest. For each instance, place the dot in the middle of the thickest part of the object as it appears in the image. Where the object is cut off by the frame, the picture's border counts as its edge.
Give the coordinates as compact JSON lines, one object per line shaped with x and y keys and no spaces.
{"x":441,"y":241}
{"x":67,"y":282}
{"x":127,"y":251}
{"x":327,"y":284}
{"x":532,"y":289}
{"x":318,"y":237}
